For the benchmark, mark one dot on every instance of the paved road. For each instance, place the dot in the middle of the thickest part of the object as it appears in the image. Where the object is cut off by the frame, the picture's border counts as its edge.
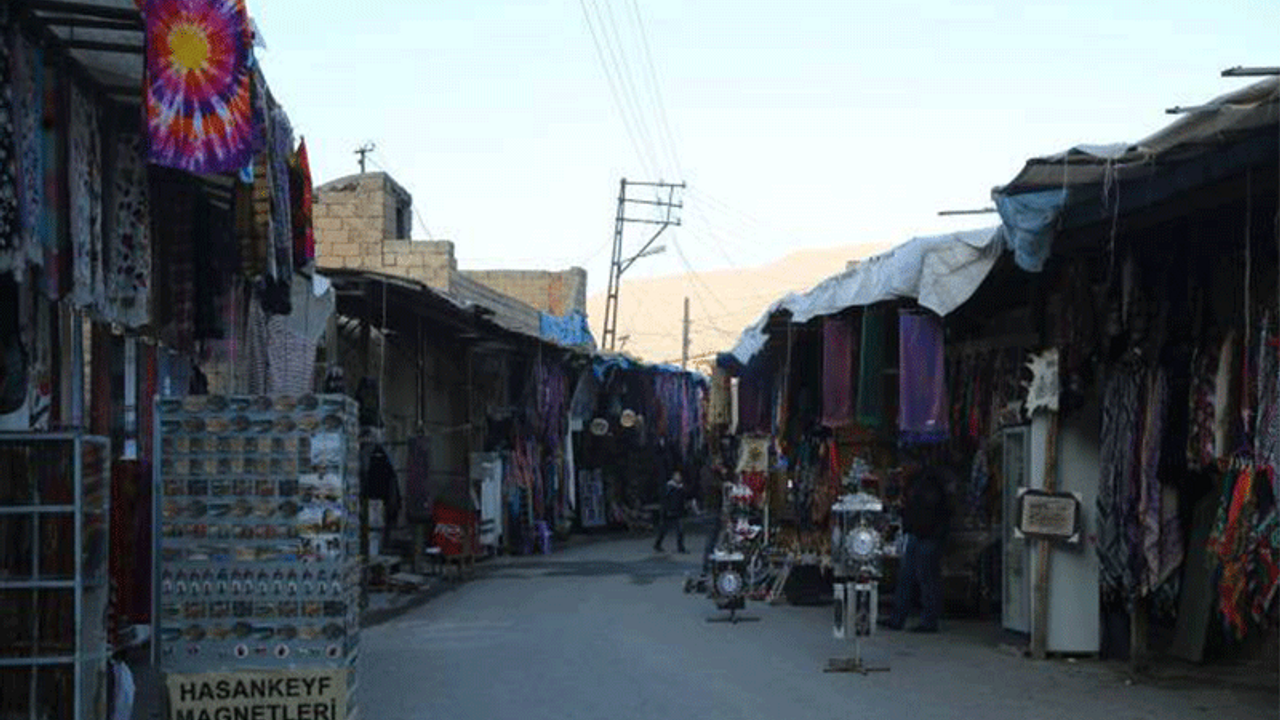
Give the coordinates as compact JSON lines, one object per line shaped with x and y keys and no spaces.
{"x":604,"y":631}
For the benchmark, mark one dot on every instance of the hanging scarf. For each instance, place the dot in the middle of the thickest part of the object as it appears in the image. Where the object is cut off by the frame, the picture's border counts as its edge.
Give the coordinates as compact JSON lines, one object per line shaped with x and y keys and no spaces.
{"x":281,"y":199}
{"x":1228,"y":542}
{"x":1120,"y":417}
{"x":10,"y":224}
{"x":838,"y":371}
{"x":1161,"y":545}
{"x":922,"y":387}
{"x":198,"y":101}
{"x":1200,"y":445}
{"x":85,"y":172}
{"x":304,"y":239}
{"x":871,"y":368}
{"x":27,"y":73}
{"x":128,"y":267}
{"x":52,"y":216}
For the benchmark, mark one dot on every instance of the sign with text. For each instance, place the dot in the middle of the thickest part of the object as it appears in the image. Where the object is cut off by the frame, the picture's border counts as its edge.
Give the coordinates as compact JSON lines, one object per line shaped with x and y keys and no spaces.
{"x":319,"y":694}
{"x":1049,"y":516}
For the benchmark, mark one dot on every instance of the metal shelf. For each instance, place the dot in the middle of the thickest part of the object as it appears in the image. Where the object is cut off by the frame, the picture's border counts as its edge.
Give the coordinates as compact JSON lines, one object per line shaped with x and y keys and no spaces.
{"x":37,"y":509}
{"x":62,"y":467}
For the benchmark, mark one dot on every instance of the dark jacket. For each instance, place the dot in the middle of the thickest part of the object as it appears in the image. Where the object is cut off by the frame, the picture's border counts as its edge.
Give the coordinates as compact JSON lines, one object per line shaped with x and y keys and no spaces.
{"x":673,"y":500}
{"x":926,"y":513}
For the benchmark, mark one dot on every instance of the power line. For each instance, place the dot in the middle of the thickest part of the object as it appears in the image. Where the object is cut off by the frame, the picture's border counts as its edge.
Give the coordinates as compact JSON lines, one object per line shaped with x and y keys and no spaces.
{"x":697,"y":278}
{"x":628,"y":83}
{"x":613,"y":89}
{"x":656,"y":86}
{"x":624,"y":84}
{"x":416,"y":215}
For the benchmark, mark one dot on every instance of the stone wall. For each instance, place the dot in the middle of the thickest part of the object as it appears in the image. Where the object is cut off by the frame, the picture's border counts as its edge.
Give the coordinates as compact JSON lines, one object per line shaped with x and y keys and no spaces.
{"x":508,"y":312}
{"x":356,"y":227}
{"x":555,"y":293}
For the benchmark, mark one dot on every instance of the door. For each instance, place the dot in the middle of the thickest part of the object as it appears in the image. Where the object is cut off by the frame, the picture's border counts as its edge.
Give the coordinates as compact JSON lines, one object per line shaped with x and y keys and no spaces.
{"x":486,"y":471}
{"x":1016,"y":605}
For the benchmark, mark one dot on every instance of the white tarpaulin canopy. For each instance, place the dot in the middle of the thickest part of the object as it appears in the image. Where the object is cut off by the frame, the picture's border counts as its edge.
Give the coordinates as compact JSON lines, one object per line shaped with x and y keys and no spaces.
{"x":940,"y":272}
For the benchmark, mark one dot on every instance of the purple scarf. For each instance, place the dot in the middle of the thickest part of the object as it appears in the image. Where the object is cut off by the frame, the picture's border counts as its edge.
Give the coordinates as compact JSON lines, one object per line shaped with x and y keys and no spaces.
{"x":837,"y":371}
{"x":922,"y":408}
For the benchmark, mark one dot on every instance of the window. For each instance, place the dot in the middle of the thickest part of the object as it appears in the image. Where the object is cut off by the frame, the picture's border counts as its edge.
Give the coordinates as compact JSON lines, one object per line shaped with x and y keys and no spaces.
{"x":403,"y":214}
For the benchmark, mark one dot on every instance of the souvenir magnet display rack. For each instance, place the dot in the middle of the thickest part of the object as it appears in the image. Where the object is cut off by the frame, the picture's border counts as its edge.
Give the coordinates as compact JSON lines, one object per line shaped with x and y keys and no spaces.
{"x":54,"y":518}
{"x":258,"y":562}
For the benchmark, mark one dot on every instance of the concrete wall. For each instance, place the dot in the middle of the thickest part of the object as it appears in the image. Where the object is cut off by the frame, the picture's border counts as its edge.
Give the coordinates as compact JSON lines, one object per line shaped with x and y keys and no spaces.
{"x":555,"y":293}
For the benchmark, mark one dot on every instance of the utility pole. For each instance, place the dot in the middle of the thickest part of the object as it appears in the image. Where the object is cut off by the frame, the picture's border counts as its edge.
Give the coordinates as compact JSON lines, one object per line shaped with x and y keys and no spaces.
{"x":662,"y":210}
{"x":363,"y":151}
{"x":684,"y":347}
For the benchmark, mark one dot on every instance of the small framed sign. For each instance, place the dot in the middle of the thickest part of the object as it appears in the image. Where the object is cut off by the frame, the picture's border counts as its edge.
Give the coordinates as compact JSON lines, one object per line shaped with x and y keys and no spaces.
{"x":1048,"y":516}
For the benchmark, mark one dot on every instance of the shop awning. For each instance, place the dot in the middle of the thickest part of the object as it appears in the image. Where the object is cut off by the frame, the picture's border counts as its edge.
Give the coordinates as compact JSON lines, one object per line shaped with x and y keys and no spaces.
{"x":1031,"y":204}
{"x":940,"y":272}
{"x":104,"y":36}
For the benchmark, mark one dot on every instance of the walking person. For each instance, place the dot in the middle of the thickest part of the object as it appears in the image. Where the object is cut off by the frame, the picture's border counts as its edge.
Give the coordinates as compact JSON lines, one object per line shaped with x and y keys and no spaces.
{"x":925,"y":520}
{"x":673,"y":502}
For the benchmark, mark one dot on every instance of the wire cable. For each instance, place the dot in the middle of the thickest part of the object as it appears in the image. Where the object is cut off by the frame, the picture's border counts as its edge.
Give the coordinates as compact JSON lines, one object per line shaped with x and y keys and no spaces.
{"x":629,"y":86}
{"x":613,"y":89}
{"x":416,"y":216}
{"x":655,"y":87}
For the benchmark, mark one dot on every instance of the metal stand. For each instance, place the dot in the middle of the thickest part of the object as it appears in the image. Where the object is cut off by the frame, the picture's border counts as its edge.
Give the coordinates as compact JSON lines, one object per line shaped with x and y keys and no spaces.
{"x":855,"y":617}
{"x":853,"y":664}
{"x":733,"y":618}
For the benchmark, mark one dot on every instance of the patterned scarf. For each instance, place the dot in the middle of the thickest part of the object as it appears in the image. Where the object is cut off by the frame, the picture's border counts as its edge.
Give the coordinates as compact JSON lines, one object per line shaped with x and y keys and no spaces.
{"x":1120,"y":418}
{"x":85,"y":172}
{"x":198,"y":101}
{"x":129,"y":255}
{"x":28,"y":107}
{"x":281,"y":200}
{"x":10,"y":227}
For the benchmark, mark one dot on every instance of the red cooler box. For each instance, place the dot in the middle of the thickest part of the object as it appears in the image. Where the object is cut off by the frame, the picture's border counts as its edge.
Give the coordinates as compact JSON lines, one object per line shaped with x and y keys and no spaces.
{"x":455,"y":532}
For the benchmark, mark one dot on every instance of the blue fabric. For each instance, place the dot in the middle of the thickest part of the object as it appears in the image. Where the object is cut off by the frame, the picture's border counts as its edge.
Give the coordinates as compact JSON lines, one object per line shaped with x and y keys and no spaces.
{"x":1029,"y":221}
{"x":920,"y":571}
{"x":569,"y":330}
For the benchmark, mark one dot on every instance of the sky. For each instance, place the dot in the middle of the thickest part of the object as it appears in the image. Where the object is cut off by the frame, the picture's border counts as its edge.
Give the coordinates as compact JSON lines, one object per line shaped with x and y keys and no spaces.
{"x":795,"y":125}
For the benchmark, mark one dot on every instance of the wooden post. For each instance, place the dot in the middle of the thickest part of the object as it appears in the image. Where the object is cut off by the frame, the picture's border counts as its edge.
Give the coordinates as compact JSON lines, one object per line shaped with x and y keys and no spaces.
{"x":1040,"y":623}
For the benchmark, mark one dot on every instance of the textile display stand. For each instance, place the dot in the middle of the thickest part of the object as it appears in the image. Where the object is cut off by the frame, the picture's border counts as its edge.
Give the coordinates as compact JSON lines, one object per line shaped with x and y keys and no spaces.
{"x":258,"y":566}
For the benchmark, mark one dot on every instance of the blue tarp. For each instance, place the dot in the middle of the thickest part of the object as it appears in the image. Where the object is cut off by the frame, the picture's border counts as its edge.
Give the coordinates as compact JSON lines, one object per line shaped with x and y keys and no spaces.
{"x":569,"y":330}
{"x":1029,"y":222}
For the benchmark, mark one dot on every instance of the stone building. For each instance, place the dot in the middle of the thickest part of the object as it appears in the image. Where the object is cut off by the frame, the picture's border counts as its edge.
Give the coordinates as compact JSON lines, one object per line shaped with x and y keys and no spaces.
{"x":364,"y":222}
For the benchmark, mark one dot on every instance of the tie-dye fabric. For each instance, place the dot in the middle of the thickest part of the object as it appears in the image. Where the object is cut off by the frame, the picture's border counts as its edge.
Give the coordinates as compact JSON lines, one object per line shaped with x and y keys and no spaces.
{"x":199,"y":98}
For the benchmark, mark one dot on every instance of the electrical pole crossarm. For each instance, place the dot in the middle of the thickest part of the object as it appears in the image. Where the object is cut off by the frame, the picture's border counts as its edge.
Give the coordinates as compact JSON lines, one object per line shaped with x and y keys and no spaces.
{"x":631,"y":261}
{"x":619,"y":264}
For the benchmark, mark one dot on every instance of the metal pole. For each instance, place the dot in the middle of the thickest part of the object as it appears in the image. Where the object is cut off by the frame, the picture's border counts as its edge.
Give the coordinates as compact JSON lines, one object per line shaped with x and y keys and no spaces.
{"x":684,"y":346}
{"x":78,"y":662}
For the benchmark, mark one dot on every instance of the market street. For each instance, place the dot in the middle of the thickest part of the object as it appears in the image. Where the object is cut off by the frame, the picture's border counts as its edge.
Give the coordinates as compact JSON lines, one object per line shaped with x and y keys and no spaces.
{"x":604,"y":631}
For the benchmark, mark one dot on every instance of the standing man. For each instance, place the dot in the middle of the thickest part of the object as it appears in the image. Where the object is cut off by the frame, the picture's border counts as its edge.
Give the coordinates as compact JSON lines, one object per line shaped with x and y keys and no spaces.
{"x":673,"y":502}
{"x":926,"y":518}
